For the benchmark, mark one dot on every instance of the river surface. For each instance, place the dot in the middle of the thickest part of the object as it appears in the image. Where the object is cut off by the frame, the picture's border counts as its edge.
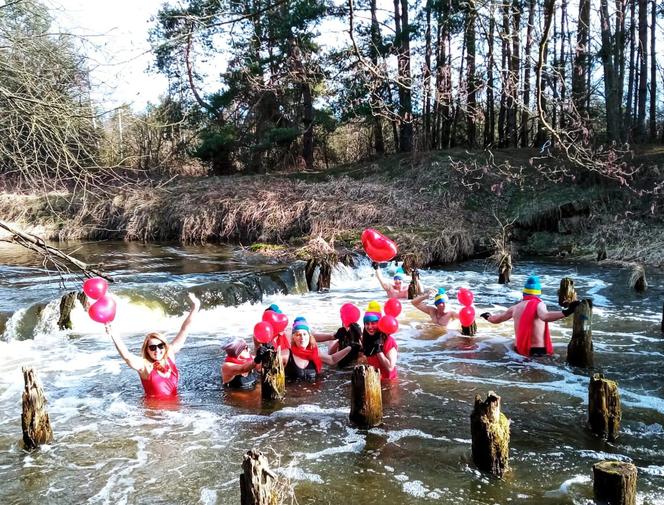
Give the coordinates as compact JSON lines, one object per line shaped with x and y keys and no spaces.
{"x":111,"y":446}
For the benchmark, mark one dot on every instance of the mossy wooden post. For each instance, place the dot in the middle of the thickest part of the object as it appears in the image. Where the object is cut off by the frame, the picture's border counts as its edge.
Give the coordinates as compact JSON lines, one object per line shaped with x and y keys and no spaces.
{"x":601,"y":250}
{"x":469,"y":331}
{"x":614,"y":483}
{"x":34,"y":419}
{"x":566,"y":292}
{"x":580,"y":347}
{"x":505,"y":269}
{"x":604,"y":411}
{"x":638,"y":279}
{"x":273,"y":379}
{"x":257,"y":481}
{"x":414,"y":288}
{"x":67,"y":305}
{"x":490,"y":431}
{"x":366,"y":401}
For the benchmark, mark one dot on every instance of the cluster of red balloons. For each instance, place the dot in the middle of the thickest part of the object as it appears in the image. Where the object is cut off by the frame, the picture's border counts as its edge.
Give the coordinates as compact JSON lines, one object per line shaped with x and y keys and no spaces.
{"x":103,"y":310}
{"x":272,"y":324}
{"x":377,"y":246}
{"x":467,"y":313}
{"x":388,"y":324}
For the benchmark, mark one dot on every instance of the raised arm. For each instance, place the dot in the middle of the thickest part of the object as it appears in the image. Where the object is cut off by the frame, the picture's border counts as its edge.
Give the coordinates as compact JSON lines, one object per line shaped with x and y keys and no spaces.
{"x":333,"y":359}
{"x":135,"y":362}
{"x":180,"y":338}
{"x":555,"y":315}
{"x":383,"y":283}
{"x":419,"y":303}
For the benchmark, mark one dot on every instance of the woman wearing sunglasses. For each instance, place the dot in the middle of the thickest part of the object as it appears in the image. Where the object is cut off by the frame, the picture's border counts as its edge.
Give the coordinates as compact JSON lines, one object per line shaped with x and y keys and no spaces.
{"x":156,"y":364}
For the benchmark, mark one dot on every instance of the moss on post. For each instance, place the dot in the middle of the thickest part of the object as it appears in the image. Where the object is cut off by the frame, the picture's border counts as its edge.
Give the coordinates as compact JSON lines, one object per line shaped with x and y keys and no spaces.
{"x":35,"y":422}
{"x":366,"y":401}
{"x":614,"y":482}
{"x":273,"y":379}
{"x":580,"y":348}
{"x":257,"y":481}
{"x":604,"y":410}
{"x":490,"y":431}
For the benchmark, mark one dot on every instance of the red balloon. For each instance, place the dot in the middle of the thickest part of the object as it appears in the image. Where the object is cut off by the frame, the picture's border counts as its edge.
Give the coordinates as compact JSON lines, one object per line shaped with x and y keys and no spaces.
{"x":388,"y":325}
{"x":95,"y":288}
{"x":467,"y":316}
{"x":393,"y":307}
{"x":269,"y":316}
{"x":377,"y":246}
{"x":280,"y":322}
{"x":263,"y":332}
{"x":349,"y":314}
{"x":465,"y":297}
{"x":103,"y":310}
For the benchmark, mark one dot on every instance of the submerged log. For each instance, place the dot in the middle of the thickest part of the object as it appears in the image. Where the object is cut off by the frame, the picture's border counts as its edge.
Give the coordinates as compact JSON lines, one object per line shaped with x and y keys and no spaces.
{"x":469,"y":331}
{"x":614,"y":482}
{"x":580,"y":347}
{"x":273,"y":379}
{"x":505,"y":269}
{"x":257,"y":481}
{"x":566,"y":292}
{"x":34,"y":419}
{"x":366,"y":401}
{"x":67,"y":305}
{"x":638,"y":279}
{"x":604,"y":410}
{"x":490,"y":431}
{"x":601,"y":250}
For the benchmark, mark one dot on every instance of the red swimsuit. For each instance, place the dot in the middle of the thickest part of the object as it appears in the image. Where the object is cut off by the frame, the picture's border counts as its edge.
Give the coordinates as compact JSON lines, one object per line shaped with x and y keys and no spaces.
{"x":160,"y":386}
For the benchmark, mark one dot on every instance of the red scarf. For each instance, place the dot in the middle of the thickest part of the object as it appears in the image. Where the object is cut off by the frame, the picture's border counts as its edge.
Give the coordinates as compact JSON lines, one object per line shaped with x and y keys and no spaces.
{"x":524,"y":332}
{"x":164,"y":369}
{"x":239,"y":360}
{"x":281,"y":340}
{"x":310,"y":354}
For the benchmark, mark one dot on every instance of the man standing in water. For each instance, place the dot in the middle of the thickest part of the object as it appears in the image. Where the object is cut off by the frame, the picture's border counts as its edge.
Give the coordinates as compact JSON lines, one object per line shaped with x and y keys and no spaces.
{"x":396,"y":290}
{"x":531,"y":320}
{"x":437,"y":313}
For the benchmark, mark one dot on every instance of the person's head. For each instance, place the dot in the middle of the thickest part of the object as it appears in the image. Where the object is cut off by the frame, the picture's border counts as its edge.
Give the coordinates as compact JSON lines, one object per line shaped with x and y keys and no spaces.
{"x":440,"y":300}
{"x":236,"y":347}
{"x":301,"y":335}
{"x":371,"y":317}
{"x":154,"y":348}
{"x":274,"y":308}
{"x":532,"y":286}
{"x":398,"y":279}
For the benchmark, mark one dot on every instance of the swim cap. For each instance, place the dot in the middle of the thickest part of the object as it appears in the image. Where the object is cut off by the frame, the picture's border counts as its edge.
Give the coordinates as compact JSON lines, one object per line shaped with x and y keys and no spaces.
{"x":441,"y":297}
{"x":533,"y":286}
{"x":372,"y":312}
{"x":274,"y":308}
{"x":300,"y":323}
{"x":399,"y":275}
{"x":235,"y":347}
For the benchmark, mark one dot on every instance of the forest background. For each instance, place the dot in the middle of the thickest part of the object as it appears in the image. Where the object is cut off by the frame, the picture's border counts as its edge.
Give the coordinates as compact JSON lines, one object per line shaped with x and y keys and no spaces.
{"x":460,"y":127}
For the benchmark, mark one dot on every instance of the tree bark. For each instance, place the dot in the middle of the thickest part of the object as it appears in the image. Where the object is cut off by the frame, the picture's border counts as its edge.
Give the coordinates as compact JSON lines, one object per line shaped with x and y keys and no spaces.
{"x":581,"y":60}
{"x":643,"y":70}
{"x":375,"y":48}
{"x":580,"y":347}
{"x":631,"y":83}
{"x":257,"y":480}
{"x":402,"y":36}
{"x":566,"y":292}
{"x":653,"y":74}
{"x":67,"y":305}
{"x":514,"y":64}
{"x":614,"y":482}
{"x":273,"y":379}
{"x":505,"y":71}
{"x":426,"y":80}
{"x":612,"y":85}
{"x":490,"y":123}
{"x":604,"y":410}
{"x":471,"y":85}
{"x":525,"y":113}
{"x":366,"y":401}
{"x":490,"y":431}
{"x":35,"y":422}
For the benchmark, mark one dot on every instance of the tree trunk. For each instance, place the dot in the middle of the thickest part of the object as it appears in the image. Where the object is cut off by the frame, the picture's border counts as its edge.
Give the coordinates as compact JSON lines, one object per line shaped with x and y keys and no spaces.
{"x":273,"y":379}
{"x":643,"y":70}
{"x":257,"y":481}
{"x":402,"y":36}
{"x":566,"y":292}
{"x":471,"y":85}
{"x":426,"y":80}
{"x":562,"y":63}
{"x":490,"y":123}
{"x":604,"y":411}
{"x":35,"y":422}
{"x":614,"y":482}
{"x":653,"y":74}
{"x":490,"y":433}
{"x":525,"y":113}
{"x":580,"y":347}
{"x":505,"y":88}
{"x":366,"y":401}
{"x":612,"y":84}
{"x":631,"y":82}
{"x":581,"y":61}
{"x":374,"y":49}
{"x":540,"y":98}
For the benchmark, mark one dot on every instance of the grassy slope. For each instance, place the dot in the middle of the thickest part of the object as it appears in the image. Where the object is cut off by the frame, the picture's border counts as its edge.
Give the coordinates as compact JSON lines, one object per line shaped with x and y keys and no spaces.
{"x":441,"y":207}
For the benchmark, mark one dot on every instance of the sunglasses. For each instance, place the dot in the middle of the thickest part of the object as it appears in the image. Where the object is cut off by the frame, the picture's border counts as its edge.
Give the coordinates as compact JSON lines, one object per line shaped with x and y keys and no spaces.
{"x":154,"y":347}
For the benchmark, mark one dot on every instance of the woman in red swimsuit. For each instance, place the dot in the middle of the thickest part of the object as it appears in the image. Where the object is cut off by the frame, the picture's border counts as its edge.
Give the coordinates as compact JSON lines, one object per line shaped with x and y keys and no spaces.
{"x":156,"y":364}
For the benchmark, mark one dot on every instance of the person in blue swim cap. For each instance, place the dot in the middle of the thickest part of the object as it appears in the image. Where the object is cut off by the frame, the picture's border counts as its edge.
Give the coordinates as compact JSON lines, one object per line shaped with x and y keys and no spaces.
{"x":438,"y":311}
{"x":398,"y":288}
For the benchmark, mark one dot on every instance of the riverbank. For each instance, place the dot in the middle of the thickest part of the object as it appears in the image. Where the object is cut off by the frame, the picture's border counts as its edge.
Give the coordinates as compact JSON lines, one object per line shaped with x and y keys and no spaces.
{"x":444,"y":207}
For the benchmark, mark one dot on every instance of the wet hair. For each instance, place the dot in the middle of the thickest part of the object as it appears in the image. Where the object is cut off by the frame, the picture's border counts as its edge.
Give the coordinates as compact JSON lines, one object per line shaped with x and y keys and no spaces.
{"x":144,"y":348}
{"x":235,"y":347}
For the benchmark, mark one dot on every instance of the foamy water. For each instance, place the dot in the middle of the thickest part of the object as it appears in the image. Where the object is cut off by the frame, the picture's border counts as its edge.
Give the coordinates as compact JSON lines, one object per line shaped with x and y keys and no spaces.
{"x":112,"y":446}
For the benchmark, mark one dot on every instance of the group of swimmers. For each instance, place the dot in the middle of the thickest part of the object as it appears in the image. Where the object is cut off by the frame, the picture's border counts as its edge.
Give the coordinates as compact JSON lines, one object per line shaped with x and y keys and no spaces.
{"x":349,"y":345}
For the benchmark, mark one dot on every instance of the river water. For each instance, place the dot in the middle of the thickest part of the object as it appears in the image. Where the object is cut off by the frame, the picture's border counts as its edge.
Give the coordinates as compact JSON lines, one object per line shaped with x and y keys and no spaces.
{"x":112,"y":447}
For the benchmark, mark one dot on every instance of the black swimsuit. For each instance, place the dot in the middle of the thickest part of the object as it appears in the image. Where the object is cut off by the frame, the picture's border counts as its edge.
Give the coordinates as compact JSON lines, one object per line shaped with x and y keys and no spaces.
{"x":294,"y":372}
{"x":243,"y":382}
{"x":538,"y":351}
{"x":345,"y":338}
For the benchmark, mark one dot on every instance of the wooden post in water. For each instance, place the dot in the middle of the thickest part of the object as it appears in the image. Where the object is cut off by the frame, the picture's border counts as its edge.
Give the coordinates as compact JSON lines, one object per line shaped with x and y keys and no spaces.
{"x":35,"y":423}
{"x":469,"y":331}
{"x":505,"y":269}
{"x":580,"y":347}
{"x":257,"y":481}
{"x":601,"y":250}
{"x":614,"y":482}
{"x":414,"y":288}
{"x":273,"y":379}
{"x":604,"y":411}
{"x":67,"y":305}
{"x":663,"y":318}
{"x":566,"y":292}
{"x":638,"y":279}
{"x":490,"y":431}
{"x":366,"y":401}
